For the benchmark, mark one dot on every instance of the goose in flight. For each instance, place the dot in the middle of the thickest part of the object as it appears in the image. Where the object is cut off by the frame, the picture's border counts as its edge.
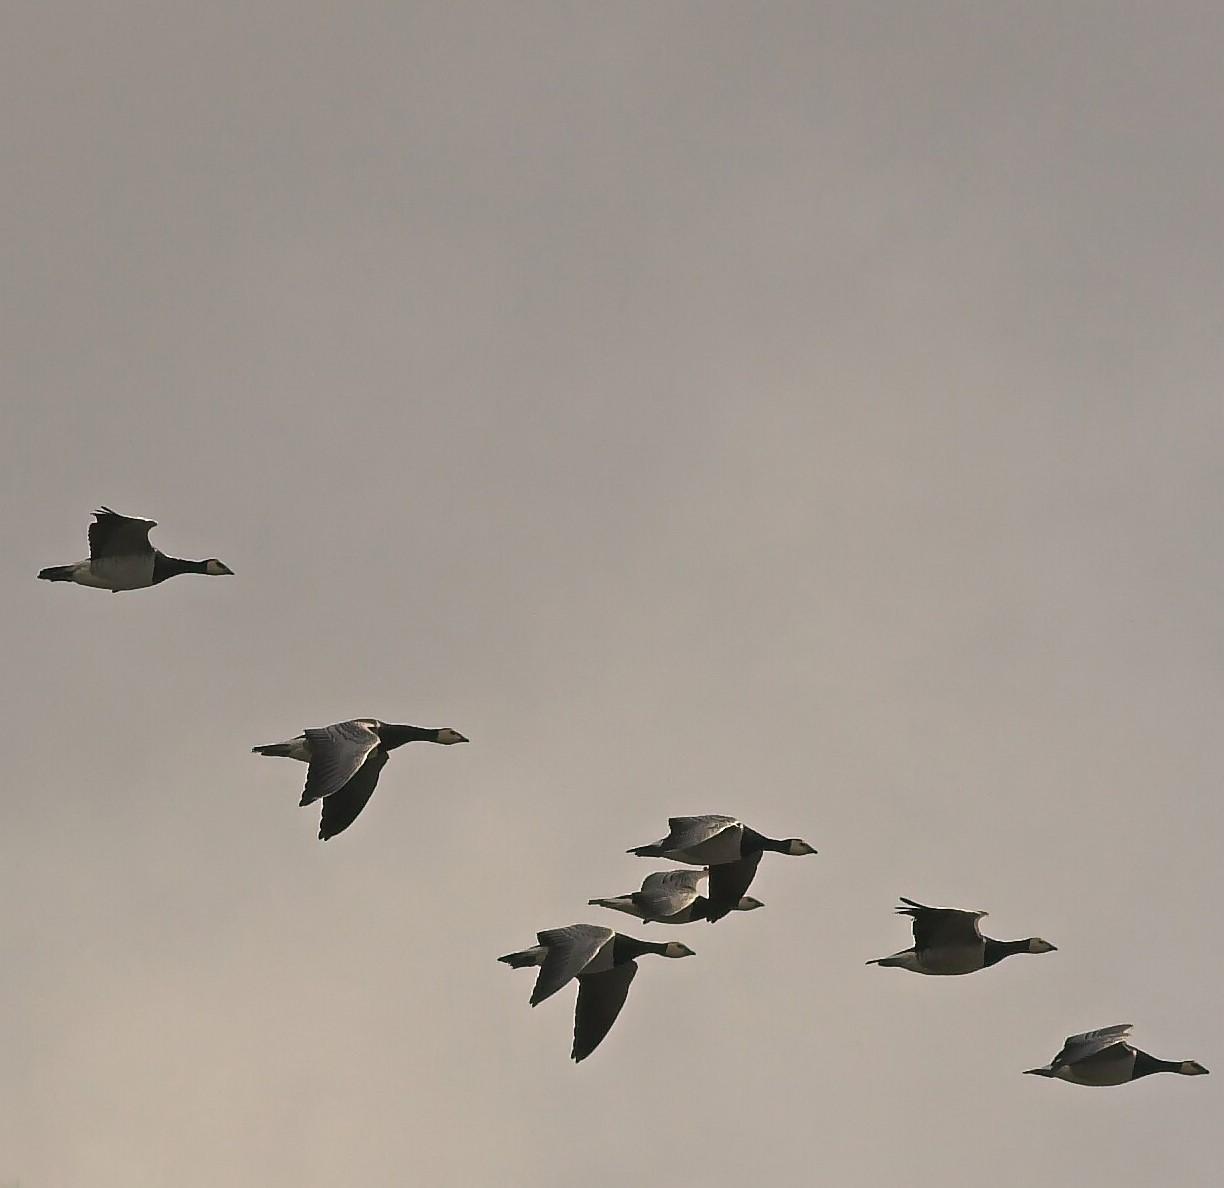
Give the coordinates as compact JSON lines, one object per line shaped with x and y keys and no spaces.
{"x":603,"y":961}
{"x":121,"y":558}
{"x":1105,"y":1058}
{"x":345,"y":762}
{"x":728,"y":847}
{"x":948,"y":941}
{"x":670,"y":897}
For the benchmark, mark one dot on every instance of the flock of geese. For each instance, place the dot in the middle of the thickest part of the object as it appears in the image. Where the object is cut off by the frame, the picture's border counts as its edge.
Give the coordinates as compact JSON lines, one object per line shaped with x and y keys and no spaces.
{"x":345,"y":760}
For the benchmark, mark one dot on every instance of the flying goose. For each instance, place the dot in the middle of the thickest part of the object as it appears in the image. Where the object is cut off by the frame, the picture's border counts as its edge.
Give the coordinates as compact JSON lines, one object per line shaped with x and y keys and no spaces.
{"x":345,"y":760}
{"x":121,"y":558}
{"x":728,"y":847}
{"x":604,"y":963}
{"x":948,"y":941}
{"x":670,"y":897}
{"x":1105,"y":1058}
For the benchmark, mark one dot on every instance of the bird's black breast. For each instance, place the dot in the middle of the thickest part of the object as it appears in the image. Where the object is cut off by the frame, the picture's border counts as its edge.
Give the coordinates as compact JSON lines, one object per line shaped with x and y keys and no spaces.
{"x":164,"y":567}
{"x":626,"y":948}
{"x":751,"y":842}
{"x":993,"y":951}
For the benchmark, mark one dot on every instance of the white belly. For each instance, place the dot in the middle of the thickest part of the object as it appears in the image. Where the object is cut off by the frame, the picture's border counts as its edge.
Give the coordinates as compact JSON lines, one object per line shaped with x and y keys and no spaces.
{"x":683,"y":916}
{"x":300,"y":748}
{"x":83,"y":575}
{"x":118,"y":573}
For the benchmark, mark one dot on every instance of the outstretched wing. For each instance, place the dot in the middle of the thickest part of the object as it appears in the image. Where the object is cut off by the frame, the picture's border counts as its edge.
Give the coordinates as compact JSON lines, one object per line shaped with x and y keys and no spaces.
{"x":570,"y":951}
{"x":113,"y":535}
{"x":600,"y":998}
{"x":340,"y":809}
{"x":687,"y":832}
{"x":728,"y":882}
{"x":941,"y":927}
{"x":1090,"y":1043}
{"x":668,"y":892}
{"x":336,"y":755}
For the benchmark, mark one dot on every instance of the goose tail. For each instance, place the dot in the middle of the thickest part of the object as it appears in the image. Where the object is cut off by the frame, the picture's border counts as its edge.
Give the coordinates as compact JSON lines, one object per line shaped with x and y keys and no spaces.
{"x":57,"y":573}
{"x":284,"y":749}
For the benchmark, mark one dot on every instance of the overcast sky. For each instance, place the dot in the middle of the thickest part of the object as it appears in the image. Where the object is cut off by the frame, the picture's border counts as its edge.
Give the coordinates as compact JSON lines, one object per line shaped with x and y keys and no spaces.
{"x":808,"y":412}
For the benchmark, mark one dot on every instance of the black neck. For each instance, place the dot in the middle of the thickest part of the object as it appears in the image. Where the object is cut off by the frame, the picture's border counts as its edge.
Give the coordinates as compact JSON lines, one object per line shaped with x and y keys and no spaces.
{"x":396,"y":736}
{"x":758,"y":841}
{"x":1145,"y":1065}
{"x":996,"y":950}
{"x":626,"y":948}
{"x":168,"y":567}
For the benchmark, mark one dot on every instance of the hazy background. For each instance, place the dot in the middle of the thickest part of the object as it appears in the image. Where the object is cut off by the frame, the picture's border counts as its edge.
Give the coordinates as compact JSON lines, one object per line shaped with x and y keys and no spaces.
{"x":809,"y":412}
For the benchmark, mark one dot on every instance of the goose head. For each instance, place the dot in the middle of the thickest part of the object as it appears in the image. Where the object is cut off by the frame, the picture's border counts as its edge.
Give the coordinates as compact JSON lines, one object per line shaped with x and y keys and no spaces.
{"x":1192,"y":1068}
{"x":1037,"y":945}
{"x":215,"y":568}
{"x":448,"y":737}
{"x":796,"y":847}
{"x":676,"y":949}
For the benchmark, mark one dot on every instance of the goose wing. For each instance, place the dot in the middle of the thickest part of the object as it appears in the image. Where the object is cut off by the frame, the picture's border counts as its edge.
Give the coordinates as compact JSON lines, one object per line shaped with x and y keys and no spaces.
{"x":113,"y":535}
{"x":336,"y":755}
{"x":668,"y":892}
{"x":942,"y":927}
{"x":570,"y":951}
{"x":600,"y":998}
{"x":728,"y":882}
{"x":1090,"y":1043}
{"x":340,"y":809}
{"x":687,"y":832}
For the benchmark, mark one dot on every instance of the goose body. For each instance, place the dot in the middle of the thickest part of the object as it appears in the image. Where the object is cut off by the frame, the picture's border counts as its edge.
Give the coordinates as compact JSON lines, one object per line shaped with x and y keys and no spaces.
{"x":947,"y":942}
{"x":1104,"y":1057}
{"x":603,"y":962}
{"x":670,"y":897}
{"x":345,"y":761}
{"x":121,"y":557}
{"x":731,"y":849}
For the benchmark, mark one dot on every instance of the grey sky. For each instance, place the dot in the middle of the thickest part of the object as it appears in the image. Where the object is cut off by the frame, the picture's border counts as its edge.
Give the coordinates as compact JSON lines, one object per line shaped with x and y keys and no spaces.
{"x":804,"y":411}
